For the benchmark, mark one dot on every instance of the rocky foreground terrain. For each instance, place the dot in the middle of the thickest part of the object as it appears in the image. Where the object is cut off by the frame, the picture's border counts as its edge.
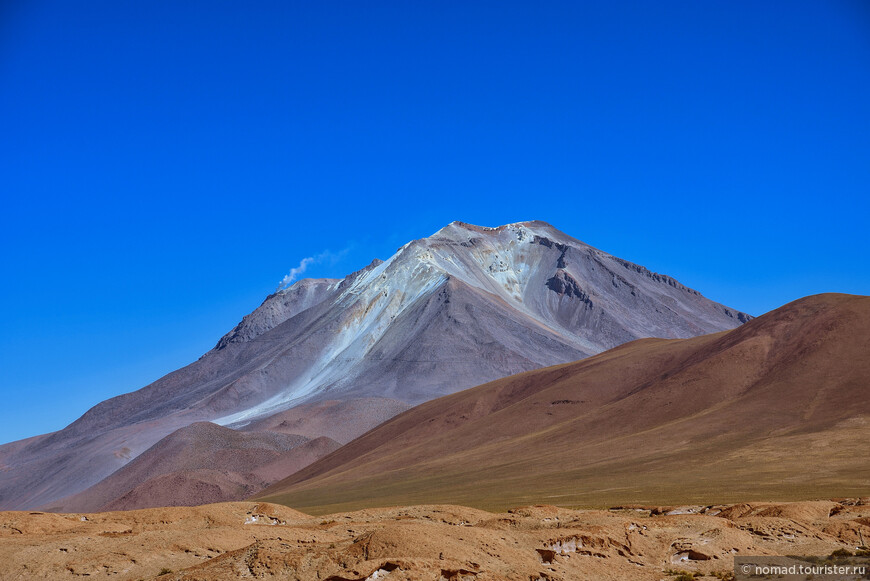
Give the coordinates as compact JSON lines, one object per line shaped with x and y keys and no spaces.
{"x":435,"y":542}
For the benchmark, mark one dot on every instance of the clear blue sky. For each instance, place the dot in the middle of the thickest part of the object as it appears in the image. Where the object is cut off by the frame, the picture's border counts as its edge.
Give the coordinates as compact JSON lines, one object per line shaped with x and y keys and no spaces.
{"x":164,"y":164}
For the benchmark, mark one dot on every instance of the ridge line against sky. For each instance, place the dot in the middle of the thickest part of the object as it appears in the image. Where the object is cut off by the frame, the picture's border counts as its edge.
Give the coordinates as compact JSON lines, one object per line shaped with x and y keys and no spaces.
{"x":164,"y":165}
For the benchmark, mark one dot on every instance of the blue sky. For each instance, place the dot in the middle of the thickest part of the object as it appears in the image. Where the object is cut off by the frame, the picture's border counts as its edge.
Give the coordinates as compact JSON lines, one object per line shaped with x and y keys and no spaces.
{"x":164,"y":164}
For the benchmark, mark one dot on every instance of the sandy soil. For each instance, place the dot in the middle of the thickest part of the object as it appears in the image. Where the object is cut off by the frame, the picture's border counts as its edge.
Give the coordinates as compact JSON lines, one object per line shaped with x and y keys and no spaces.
{"x":437,"y":542}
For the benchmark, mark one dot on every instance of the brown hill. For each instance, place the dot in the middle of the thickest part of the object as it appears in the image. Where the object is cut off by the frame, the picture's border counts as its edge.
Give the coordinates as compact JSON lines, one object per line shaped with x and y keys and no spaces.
{"x":775,"y":409}
{"x":205,"y":463}
{"x":206,"y":486}
{"x":202,"y":463}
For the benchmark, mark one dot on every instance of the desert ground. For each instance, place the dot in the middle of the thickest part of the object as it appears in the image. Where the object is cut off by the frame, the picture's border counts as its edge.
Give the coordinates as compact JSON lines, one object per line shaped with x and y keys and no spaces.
{"x":250,"y":540}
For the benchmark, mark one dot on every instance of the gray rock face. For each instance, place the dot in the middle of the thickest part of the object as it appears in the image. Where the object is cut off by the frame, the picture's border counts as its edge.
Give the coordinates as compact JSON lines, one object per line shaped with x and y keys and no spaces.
{"x":465,"y":306}
{"x":279,"y":307}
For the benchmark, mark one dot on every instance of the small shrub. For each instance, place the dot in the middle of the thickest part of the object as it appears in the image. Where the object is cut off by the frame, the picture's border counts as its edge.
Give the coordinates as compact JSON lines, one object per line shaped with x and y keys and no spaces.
{"x":164,"y":571}
{"x":841,"y":553}
{"x":681,"y":575}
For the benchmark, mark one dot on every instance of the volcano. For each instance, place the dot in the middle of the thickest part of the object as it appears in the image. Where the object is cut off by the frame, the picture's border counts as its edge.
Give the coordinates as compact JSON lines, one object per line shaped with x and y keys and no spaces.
{"x":460,"y":308}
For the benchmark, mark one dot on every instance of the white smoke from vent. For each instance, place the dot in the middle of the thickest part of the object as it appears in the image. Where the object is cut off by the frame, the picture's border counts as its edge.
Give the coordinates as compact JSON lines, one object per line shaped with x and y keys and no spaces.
{"x":296,"y":272}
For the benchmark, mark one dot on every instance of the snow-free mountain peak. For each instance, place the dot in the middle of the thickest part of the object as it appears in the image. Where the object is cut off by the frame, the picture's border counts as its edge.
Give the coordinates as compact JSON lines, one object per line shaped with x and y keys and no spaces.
{"x":576,"y":299}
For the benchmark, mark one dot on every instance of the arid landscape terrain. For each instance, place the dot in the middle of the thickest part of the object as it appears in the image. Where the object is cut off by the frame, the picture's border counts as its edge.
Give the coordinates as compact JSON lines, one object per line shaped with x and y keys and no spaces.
{"x":345,"y":431}
{"x":434,"y":291}
{"x":679,"y":454}
{"x":247,"y":540}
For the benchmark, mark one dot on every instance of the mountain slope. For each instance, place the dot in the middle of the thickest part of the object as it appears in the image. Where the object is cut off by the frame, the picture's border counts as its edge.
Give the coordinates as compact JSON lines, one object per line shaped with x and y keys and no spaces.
{"x":201,"y":446}
{"x":343,"y":420}
{"x":777,"y":408}
{"x":191,"y":487}
{"x":465,"y":306}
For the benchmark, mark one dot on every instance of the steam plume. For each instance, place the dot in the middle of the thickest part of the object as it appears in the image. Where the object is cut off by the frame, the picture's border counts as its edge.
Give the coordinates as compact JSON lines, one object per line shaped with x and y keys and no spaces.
{"x":297,"y":271}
